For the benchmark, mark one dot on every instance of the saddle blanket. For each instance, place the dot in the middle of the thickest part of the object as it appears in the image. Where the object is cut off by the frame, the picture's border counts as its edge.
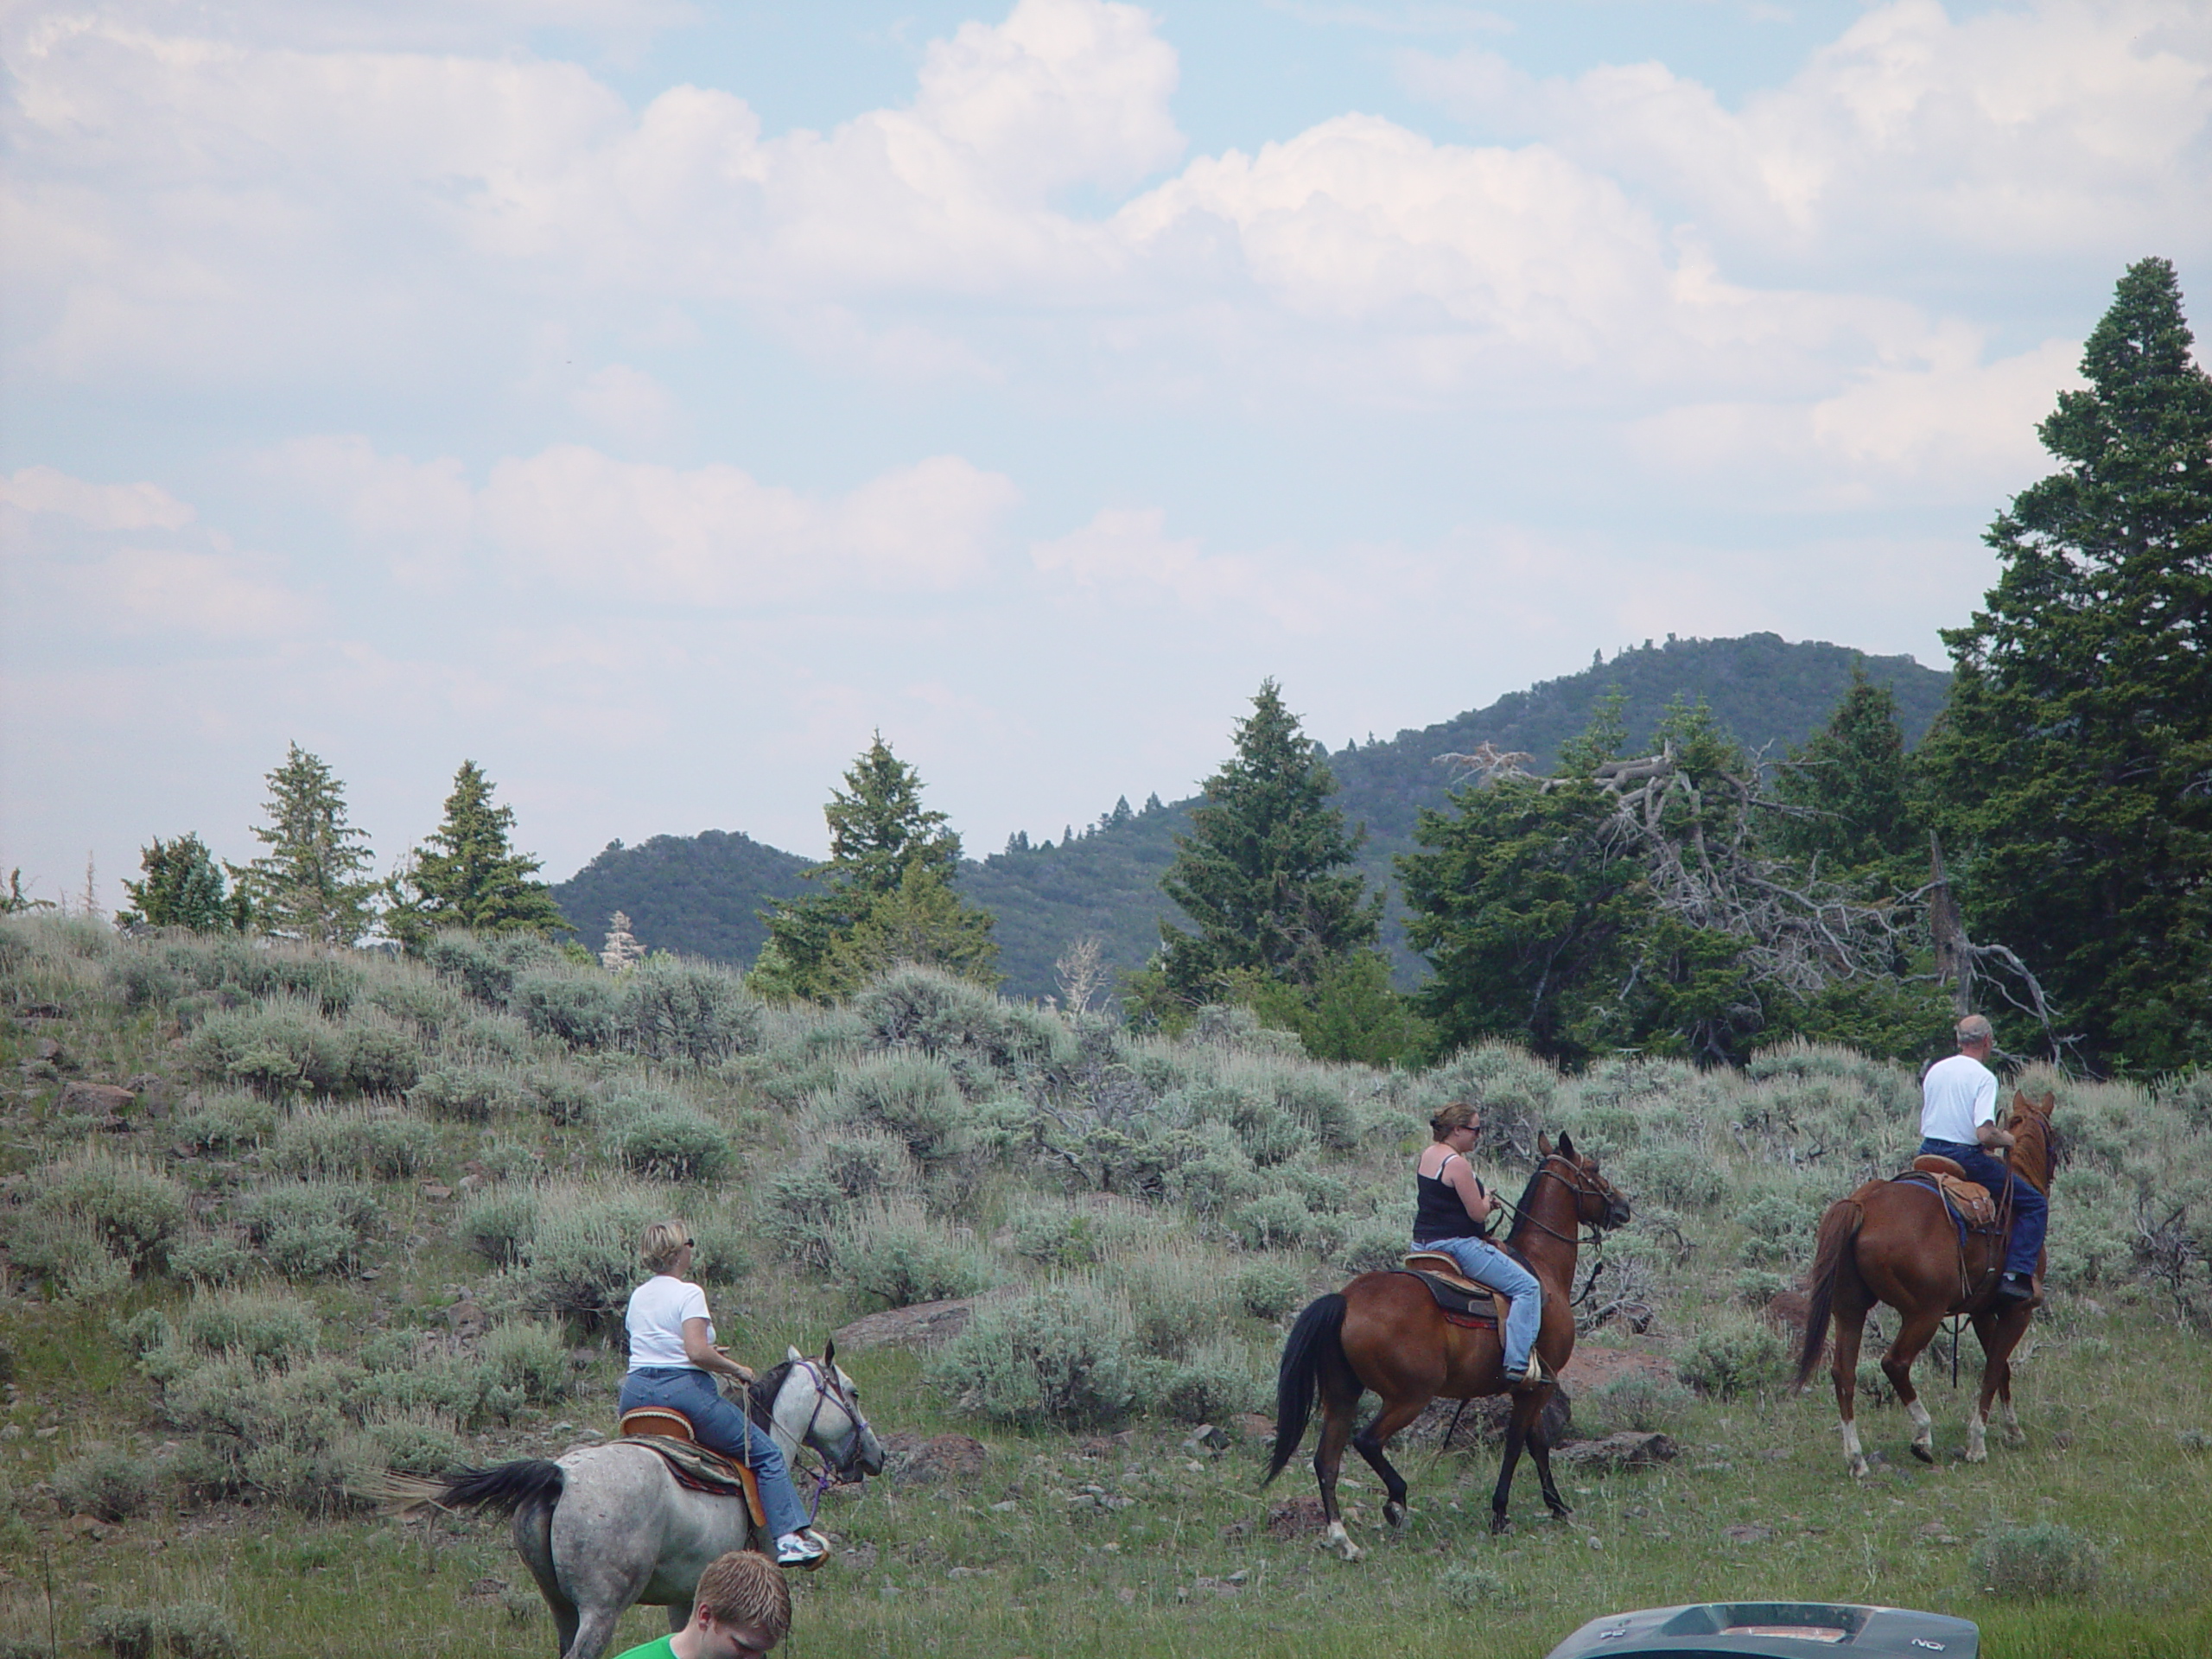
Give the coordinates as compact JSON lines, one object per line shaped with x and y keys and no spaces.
{"x":1474,"y":1308}
{"x":1969,"y":1200}
{"x":696,"y":1467}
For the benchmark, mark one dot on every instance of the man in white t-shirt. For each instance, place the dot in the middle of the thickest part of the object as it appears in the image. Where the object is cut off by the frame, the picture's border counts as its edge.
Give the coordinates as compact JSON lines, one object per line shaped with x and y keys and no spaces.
{"x":1958,"y":1120}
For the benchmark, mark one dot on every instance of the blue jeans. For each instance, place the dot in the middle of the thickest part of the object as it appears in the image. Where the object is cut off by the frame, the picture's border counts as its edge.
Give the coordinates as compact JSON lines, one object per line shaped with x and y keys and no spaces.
{"x":2030,"y":1209}
{"x":720,"y":1427}
{"x":1484,"y":1263}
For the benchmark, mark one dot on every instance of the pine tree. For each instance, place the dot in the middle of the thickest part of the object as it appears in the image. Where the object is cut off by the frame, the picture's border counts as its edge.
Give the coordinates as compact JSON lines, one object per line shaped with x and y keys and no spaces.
{"x":885,"y":894}
{"x":309,"y":884}
{"x":183,"y":887}
{"x":1848,"y":788}
{"x":1257,"y":874}
{"x":469,"y":876}
{"x":2069,"y":772}
{"x":621,"y":949}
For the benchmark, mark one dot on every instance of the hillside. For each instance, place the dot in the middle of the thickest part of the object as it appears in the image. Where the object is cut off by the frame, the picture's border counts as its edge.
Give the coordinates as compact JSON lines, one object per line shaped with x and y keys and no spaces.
{"x":700,"y":896}
{"x":276,"y":1221}
{"x":1764,"y":689}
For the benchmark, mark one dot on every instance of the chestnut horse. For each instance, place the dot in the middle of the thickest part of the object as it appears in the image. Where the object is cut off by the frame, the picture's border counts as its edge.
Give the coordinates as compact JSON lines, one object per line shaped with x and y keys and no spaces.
{"x":1384,"y":1331}
{"x":1895,"y":1242}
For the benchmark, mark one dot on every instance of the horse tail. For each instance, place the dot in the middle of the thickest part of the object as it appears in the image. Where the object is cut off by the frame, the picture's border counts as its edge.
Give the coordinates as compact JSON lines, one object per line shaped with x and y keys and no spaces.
{"x":1831,"y":1259}
{"x":1316,"y":1340}
{"x":509,"y":1486}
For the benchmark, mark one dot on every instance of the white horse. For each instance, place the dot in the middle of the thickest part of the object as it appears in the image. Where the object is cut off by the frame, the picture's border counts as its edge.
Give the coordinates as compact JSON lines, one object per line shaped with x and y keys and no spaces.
{"x":605,"y":1527}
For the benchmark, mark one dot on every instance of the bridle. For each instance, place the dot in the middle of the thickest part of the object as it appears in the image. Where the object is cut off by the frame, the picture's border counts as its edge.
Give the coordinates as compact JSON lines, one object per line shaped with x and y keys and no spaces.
{"x":1544,"y":1171}
{"x":829,"y":1385}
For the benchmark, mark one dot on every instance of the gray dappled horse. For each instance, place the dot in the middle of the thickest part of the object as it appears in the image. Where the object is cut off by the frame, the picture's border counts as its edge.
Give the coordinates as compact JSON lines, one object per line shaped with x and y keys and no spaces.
{"x":604,"y":1526}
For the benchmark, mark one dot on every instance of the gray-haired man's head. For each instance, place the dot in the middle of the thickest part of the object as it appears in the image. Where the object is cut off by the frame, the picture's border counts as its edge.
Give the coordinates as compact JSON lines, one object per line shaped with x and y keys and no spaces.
{"x":1975,"y":1028}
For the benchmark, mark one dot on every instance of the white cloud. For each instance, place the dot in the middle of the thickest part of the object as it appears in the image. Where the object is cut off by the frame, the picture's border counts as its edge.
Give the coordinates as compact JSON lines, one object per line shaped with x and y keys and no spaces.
{"x":625,"y":532}
{"x":1124,"y":555}
{"x":97,"y":506}
{"x":1951,"y":427}
{"x":133,"y":560}
{"x":625,"y":402}
{"x":2058,"y":126}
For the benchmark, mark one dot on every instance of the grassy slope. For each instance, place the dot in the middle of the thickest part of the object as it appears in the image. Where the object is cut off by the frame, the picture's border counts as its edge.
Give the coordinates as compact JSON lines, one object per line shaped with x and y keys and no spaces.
{"x":2114,"y":1393}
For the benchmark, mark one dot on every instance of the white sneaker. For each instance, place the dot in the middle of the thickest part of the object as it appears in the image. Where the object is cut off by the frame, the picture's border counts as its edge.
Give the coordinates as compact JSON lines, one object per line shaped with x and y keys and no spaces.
{"x":799,"y":1549}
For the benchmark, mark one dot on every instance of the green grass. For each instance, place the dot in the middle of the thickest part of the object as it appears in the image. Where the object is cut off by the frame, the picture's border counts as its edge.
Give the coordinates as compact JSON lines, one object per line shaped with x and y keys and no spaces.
{"x":2114,"y":1390}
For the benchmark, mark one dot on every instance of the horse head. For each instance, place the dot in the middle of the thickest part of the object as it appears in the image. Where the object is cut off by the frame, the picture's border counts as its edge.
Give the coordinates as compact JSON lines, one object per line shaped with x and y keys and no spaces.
{"x":818,"y":1404}
{"x":2038,"y":1148}
{"x":1598,"y":1202}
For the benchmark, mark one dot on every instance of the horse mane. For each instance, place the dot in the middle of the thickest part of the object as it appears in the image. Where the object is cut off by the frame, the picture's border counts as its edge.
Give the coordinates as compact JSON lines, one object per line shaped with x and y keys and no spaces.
{"x":1528,"y":1196}
{"x":760,"y":1397}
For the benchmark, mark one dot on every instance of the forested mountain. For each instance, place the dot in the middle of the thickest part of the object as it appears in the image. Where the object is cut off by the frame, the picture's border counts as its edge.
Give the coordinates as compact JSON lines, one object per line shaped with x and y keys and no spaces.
{"x":700,"y":896}
{"x":1762,"y":688}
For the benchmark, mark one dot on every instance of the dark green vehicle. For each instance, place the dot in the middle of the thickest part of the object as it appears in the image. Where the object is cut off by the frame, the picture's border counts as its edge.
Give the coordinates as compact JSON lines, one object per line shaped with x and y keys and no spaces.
{"x":1774,"y":1630}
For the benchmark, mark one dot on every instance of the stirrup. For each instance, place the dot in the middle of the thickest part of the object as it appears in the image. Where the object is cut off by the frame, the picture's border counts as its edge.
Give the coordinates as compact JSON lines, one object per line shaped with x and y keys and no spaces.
{"x":1532,"y":1378}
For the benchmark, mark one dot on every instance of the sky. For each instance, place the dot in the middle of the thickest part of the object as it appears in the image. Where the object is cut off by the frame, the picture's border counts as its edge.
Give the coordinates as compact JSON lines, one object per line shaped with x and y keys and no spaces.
{"x":650,"y":401}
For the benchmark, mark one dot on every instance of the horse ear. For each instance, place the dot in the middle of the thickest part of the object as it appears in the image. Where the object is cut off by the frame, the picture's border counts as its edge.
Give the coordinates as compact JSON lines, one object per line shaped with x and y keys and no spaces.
{"x":830,"y":1353}
{"x":793,"y":1355}
{"x":1543,"y":1145}
{"x":1566,"y":1144}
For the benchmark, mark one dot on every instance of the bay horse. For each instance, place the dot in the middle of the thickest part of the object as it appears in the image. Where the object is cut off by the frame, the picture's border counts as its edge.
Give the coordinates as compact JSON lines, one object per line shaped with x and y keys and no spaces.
{"x":1895,"y":1242}
{"x":1384,"y":1331}
{"x":604,"y":1526}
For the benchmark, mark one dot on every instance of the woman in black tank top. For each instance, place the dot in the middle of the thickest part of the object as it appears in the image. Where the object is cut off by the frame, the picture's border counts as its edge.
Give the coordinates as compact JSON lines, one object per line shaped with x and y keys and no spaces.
{"x":1452,"y":1212}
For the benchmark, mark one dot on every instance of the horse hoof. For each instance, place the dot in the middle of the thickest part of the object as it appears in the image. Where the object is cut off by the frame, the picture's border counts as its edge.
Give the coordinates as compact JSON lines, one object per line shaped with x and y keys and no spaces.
{"x":1561,"y":1511}
{"x":1859,"y":1468}
{"x":1977,"y":1454}
{"x":1394,"y":1515}
{"x":1922,"y":1452}
{"x":2016,"y":1436}
{"x":1499,"y":1523}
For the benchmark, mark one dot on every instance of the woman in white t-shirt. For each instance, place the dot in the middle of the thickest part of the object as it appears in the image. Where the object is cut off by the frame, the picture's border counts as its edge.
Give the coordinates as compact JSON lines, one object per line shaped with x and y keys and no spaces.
{"x":673,"y":1362}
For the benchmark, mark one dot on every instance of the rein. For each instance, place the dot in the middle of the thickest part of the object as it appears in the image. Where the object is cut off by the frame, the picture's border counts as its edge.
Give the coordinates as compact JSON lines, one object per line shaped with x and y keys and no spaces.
{"x":826,"y":1387}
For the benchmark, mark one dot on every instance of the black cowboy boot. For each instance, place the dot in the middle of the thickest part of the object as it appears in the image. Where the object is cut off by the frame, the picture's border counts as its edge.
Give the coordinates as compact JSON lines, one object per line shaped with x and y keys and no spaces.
{"x":2014,"y":1289}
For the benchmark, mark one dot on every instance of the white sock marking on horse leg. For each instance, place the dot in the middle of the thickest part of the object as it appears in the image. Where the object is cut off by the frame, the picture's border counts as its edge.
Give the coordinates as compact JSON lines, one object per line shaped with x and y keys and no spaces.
{"x":1977,"y":1438}
{"x":2013,"y":1432}
{"x":1923,"y":1426}
{"x":1338,"y":1538}
{"x":1853,"y":1455}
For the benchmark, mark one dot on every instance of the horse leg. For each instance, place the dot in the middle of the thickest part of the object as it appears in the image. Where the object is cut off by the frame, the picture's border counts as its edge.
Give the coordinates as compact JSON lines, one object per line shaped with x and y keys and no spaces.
{"x":1843,"y":1368}
{"x":2000,"y":1332}
{"x":1328,"y":1458}
{"x":533,"y":1537}
{"x":1516,"y":1432}
{"x":1916,"y":1331}
{"x":1540,"y":1451}
{"x":1369,"y":1442}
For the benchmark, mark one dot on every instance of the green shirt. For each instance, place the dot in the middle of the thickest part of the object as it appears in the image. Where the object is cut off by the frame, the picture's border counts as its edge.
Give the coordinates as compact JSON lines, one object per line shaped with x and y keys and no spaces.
{"x":661,"y":1647}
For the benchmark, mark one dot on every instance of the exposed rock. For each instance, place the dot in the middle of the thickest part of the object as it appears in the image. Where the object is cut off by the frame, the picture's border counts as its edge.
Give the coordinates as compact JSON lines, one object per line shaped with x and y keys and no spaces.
{"x":922,"y":1326}
{"x":914,"y":1459}
{"x":1295,"y":1517}
{"x":1259,"y":1427}
{"x":1747,"y":1534}
{"x":1629,"y":1450}
{"x":1788,"y":1311}
{"x":95,"y":1099}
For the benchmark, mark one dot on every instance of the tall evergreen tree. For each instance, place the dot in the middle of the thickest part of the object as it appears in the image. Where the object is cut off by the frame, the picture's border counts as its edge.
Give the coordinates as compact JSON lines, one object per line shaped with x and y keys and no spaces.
{"x":1257,"y":875}
{"x":885,"y":894}
{"x":311,"y":885}
{"x":1846,"y":791}
{"x":2072,"y":771}
{"x":469,"y":875}
{"x":183,"y":887}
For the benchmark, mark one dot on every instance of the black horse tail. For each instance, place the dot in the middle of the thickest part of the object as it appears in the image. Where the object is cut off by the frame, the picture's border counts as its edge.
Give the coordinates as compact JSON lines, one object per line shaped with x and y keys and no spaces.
{"x":1316,"y":1341}
{"x":524,"y":1483}
{"x":1831,"y":1259}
